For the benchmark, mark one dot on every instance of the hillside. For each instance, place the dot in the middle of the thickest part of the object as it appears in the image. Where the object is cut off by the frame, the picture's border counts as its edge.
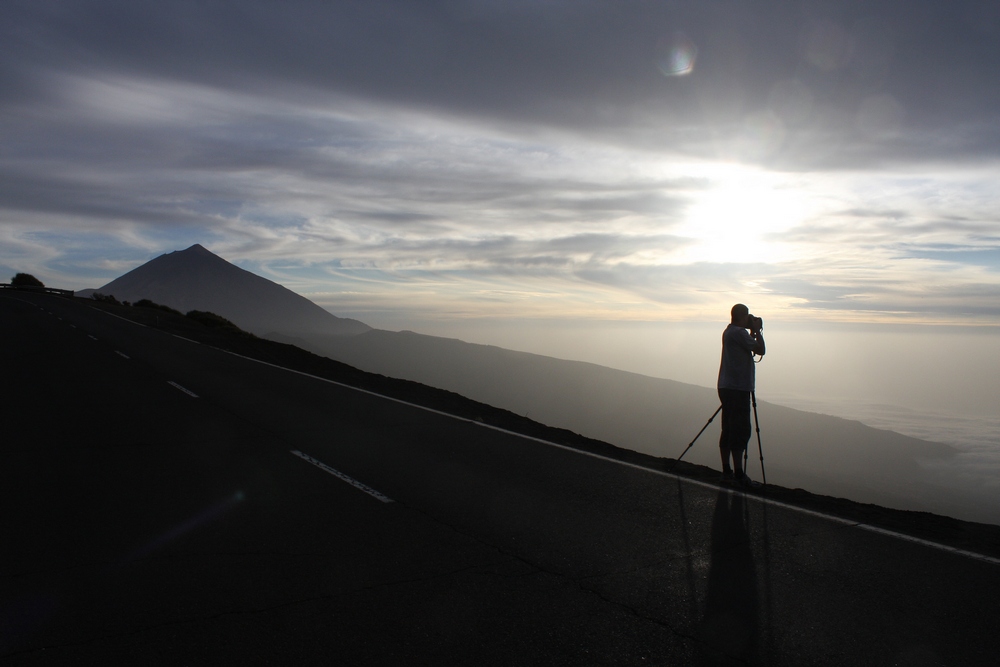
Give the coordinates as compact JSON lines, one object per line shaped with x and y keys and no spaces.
{"x":659,"y":417}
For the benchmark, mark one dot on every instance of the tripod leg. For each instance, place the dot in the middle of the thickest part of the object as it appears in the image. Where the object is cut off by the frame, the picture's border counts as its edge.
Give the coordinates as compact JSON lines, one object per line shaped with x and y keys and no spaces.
{"x":760,"y":449}
{"x":691,"y":444}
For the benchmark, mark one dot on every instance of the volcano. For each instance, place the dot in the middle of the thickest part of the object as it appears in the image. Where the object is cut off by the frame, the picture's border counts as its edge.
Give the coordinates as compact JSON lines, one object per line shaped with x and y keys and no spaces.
{"x":198,"y":279}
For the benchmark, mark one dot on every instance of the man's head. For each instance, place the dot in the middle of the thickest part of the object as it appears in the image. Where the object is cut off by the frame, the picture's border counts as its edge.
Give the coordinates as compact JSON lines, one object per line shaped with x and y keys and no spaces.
{"x":740,"y":314}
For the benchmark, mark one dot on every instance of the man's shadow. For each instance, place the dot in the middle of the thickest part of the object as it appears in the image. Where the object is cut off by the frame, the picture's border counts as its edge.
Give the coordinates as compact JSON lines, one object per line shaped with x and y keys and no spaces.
{"x":730,"y":626}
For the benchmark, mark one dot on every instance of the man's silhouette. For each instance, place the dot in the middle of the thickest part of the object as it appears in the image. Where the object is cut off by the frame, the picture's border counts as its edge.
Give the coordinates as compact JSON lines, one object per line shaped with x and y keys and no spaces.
{"x":736,"y":381}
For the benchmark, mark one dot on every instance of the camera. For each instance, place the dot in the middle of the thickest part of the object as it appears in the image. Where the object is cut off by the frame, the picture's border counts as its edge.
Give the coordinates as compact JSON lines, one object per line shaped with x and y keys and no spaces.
{"x":755,"y":323}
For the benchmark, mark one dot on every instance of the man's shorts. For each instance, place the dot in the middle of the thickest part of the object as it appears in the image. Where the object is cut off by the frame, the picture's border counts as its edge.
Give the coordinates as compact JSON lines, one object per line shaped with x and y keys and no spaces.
{"x":735,"y":419}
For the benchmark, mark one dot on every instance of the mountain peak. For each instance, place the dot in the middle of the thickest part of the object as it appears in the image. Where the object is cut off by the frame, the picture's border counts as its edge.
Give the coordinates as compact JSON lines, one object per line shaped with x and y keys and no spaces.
{"x":198,"y":279}
{"x":198,"y":249}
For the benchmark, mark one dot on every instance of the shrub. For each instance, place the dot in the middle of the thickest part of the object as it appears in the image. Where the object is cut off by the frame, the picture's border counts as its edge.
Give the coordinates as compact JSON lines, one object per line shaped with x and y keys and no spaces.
{"x":218,"y":322}
{"x":26,"y":280}
{"x":146,"y":303}
{"x":210,"y":319}
{"x":106,"y":298}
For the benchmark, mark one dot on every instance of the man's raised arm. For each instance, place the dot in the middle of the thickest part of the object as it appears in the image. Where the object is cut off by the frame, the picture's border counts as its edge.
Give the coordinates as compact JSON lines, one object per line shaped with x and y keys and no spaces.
{"x":758,"y":345}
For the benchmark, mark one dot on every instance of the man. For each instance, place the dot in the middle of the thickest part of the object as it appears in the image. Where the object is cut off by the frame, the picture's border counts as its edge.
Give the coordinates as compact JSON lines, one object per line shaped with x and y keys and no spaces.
{"x":736,"y":381}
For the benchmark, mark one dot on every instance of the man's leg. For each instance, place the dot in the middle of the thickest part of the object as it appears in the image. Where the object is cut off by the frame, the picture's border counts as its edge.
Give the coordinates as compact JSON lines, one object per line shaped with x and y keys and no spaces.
{"x":726,"y":437}
{"x":739,"y":430}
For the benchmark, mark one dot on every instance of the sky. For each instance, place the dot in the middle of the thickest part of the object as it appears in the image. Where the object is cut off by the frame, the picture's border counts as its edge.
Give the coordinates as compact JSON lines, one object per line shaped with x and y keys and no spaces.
{"x":584,"y":179}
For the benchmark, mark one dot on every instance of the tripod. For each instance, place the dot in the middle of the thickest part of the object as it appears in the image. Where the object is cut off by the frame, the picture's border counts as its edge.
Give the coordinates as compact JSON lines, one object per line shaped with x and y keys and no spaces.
{"x":760,"y":449}
{"x":691,"y":444}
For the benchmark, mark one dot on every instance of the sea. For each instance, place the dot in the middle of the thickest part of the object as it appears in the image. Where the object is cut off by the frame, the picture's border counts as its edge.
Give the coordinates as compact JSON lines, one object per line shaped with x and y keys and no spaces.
{"x":976,"y":438}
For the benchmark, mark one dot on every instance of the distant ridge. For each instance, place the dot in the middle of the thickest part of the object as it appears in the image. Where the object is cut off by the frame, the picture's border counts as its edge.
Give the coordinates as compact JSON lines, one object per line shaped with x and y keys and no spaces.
{"x":198,"y":279}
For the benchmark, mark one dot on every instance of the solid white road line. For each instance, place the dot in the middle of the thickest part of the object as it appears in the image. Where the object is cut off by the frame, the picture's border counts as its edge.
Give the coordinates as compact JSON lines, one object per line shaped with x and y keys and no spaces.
{"x":761,"y":499}
{"x":91,"y":337}
{"x":186,"y":391}
{"x":767,"y":501}
{"x":122,"y":354}
{"x":350,"y":480}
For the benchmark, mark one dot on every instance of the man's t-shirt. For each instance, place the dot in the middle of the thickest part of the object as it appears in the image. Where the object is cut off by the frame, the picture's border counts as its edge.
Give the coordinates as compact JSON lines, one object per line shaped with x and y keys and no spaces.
{"x":737,"y":369}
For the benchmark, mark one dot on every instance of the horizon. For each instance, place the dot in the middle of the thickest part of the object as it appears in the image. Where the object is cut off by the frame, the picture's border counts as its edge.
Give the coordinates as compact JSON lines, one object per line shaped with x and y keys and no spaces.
{"x":687,"y":351}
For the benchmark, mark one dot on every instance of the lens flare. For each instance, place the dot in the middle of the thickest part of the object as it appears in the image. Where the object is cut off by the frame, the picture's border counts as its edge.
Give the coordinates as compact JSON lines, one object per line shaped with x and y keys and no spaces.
{"x":675,"y":55}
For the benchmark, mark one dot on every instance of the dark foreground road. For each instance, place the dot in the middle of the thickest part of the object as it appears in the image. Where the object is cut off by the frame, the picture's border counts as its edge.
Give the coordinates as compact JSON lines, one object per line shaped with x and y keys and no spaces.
{"x":154,"y":513}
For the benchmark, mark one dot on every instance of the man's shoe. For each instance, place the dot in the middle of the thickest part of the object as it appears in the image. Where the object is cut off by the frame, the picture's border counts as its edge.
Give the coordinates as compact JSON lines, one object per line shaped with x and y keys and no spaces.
{"x":727,"y":476}
{"x":748,"y":483}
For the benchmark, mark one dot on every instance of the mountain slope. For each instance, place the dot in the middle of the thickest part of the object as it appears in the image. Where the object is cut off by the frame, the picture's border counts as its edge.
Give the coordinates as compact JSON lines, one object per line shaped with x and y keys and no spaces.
{"x":197,"y":279}
{"x":659,"y":417}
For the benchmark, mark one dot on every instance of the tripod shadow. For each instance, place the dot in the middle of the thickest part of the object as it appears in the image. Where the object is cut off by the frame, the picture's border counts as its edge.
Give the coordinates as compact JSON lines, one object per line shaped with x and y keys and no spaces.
{"x":730,"y":626}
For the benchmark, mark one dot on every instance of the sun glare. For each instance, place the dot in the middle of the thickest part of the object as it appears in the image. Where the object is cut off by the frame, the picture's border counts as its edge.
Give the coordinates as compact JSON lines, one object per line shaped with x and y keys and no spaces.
{"x":730,"y":221}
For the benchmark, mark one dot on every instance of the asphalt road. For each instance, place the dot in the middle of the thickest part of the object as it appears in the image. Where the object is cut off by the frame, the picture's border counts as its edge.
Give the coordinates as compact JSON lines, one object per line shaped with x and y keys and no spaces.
{"x":154,"y":512}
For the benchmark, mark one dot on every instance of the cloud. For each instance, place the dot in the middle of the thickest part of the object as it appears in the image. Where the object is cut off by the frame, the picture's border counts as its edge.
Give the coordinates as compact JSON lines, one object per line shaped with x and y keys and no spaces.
{"x":852,"y":81}
{"x":535,"y":147}
{"x":961,"y":255}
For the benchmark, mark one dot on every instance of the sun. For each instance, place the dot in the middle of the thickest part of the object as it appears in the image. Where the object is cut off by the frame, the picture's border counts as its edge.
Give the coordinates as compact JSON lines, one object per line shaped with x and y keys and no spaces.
{"x":735,"y":219}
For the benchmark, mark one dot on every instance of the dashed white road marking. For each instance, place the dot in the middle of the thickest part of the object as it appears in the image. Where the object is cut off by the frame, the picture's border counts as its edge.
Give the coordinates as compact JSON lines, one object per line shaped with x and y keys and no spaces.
{"x":91,"y":337}
{"x":177,"y":386}
{"x":350,"y":480}
{"x":122,"y":354}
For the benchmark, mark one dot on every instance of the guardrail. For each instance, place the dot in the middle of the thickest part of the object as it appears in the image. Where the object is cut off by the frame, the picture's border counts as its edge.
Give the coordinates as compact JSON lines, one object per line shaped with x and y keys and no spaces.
{"x":33,"y":288}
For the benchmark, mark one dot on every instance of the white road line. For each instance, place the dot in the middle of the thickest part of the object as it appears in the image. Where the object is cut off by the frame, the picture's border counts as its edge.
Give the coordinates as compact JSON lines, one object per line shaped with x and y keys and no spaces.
{"x":350,"y":480}
{"x":174,"y":384}
{"x":122,"y":354}
{"x":768,"y":501}
{"x":91,"y":337}
{"x":662,"y":473}
{"x":761,"y":499}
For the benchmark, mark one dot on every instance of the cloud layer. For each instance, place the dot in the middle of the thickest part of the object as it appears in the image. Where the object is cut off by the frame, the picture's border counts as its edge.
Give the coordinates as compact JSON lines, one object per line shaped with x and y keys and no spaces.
{"x":631,"y":160}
